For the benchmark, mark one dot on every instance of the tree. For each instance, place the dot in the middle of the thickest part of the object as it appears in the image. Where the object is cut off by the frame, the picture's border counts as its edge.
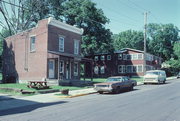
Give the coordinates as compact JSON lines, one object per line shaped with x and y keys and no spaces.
{"x":128,"y":39}
{"x":161,"y":39}
{"x":176,"y":49}
{"x":84,"y":14}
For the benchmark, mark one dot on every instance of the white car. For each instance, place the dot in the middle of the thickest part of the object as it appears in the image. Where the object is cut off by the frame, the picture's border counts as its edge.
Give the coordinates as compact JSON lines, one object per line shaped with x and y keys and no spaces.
{"x":155,"y":76}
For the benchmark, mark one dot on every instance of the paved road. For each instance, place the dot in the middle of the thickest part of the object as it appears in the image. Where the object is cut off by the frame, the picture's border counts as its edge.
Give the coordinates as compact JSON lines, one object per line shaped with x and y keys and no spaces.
{"x":145,"y":103}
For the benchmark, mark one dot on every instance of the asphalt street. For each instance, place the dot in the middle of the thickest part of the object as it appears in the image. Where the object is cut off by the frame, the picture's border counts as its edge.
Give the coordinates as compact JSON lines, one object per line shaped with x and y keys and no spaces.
{"x":145,"y":103}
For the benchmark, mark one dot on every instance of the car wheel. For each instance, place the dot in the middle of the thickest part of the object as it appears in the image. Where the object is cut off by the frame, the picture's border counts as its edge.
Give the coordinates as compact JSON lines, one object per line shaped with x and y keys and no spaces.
{"x":164,"y":81}
{"x":131,"y":88}
{"x":100,"y":92}
{"x":117,"y":90}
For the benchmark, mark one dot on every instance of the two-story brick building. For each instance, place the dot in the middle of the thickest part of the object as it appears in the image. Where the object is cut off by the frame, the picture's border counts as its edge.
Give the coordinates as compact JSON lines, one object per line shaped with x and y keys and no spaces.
{"x":50,"y":51}
{"x":126,"y":62}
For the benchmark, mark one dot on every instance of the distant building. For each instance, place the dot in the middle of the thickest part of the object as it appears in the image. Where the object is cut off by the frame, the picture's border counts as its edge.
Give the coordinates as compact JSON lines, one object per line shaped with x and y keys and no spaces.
{"x":49,"y":51}
{"x":126,"y":62}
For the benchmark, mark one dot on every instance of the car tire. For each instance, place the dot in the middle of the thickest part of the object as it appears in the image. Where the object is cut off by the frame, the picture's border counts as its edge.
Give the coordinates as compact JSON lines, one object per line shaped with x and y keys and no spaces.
{"x":100,"y":92}
{"x":117,"y":90}
{"x":131,"y":88}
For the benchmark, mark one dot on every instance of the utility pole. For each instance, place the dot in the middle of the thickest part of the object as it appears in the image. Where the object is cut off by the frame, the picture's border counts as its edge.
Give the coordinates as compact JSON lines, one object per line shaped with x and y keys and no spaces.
{"x":145,"y":31}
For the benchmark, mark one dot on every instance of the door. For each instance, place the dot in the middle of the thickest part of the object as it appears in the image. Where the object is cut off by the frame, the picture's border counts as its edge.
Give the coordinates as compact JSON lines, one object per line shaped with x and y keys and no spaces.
{"x":51,"y":69}
{"x":67,"y":70}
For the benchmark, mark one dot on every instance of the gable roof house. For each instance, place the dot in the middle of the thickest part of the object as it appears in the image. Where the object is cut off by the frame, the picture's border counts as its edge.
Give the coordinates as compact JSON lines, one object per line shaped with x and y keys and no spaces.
{"x":50,"y":51}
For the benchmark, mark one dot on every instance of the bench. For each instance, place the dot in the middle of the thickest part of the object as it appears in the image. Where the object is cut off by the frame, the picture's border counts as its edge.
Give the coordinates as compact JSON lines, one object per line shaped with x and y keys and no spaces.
{"x":38,"y":84}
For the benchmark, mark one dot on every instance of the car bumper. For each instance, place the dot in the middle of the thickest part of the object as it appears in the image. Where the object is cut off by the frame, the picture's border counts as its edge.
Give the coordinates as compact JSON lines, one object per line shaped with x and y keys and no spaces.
{"x":103,"y":89}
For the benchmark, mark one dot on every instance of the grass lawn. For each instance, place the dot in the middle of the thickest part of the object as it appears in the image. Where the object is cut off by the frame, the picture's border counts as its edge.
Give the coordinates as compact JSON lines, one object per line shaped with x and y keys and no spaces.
{"x":24,"y":87}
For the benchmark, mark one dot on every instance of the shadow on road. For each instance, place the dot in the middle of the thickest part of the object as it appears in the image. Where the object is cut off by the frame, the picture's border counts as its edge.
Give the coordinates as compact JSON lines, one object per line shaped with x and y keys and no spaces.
{"x":28,"y":106}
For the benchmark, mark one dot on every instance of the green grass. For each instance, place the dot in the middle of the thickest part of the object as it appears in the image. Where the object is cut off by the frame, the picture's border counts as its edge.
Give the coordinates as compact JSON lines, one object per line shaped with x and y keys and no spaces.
{"x":24,"y":87}
{"x":138,"y":79}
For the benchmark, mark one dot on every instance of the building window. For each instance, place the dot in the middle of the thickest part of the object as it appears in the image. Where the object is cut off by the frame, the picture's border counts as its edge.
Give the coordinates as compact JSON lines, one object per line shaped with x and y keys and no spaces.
{"x":129,"y":57}
{"x":121,"y":69}
{"x":134,"y":56}
{"x":128,"y":69}
{"x":96,"y":70}
{"x":134,"y":69}
{"x":61,"y":66}
{"x":96,"y":58}
{"x":76,"y":47}
{"x":75,"y":69}
{"x":102,"y":70}
{"x":61,"y":44}
{"x":140,"y":56}
{"x":108,"y":57}
{"x":119,"y":56}
{"x":102,"y":57}
{"x":32,"y":43}
{"x":124,"y":57}
{"x":140,"y":68}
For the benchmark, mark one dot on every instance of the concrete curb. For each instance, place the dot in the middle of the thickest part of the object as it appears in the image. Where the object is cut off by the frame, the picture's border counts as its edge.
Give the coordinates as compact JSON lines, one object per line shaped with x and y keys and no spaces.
{"x":77,"y":95}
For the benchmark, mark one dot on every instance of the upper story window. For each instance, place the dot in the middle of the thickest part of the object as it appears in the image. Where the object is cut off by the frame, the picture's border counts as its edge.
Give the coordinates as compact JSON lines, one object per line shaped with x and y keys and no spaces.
{"x":32,"y":43}
{"x":140,"y":56}
{"x":124,"y":57}
{"x":96,"y":58}
{"x":76,"y":47}
{"x":102,"y":57}
{"x":108,"y":57}
{"x":119,"y":56}
{"x":129,"y":57}
{"x":61,"y":44}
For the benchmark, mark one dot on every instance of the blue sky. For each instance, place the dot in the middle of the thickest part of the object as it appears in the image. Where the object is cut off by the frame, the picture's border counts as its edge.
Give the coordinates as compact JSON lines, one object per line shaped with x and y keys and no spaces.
{"x":128,"y":14}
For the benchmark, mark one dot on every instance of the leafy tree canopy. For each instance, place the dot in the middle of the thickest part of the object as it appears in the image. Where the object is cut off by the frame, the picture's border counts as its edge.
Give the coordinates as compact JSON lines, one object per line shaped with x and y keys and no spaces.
{"x":129,"y":39}
{"x":161,"y":39}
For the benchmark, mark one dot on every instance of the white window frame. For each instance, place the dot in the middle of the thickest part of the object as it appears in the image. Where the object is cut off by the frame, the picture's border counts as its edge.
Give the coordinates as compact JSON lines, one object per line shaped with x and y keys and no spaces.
{"x":96,"y":70}
{"x":96,"y":58}
{"x":140,"y":56}
{"x":102,"y":57}
{"x":76,"y":47}
{"x":138,"y":68}
{"x":75,"y":71}
{"x":61,"y":44}
{"x":32,"y":45}
{"x":129,"y":71}
{"x":124,"y":57}
{"x":61,"y":69}
{"x":108,"y":57}
{"x":120,"y":56}
{"x":122,"y":69}
{"x":102,"y":69}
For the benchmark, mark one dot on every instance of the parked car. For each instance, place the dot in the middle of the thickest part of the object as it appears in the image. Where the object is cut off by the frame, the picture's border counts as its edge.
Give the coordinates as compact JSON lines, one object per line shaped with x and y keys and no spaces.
{"x":178,"y":75}
{"x":155,"y":76}
{"x":114,"y":84}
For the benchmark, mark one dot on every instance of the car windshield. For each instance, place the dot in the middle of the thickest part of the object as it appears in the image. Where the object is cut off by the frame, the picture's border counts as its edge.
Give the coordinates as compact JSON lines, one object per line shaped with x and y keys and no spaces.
{"x":154,"y":73}
{"x":113,"y":79}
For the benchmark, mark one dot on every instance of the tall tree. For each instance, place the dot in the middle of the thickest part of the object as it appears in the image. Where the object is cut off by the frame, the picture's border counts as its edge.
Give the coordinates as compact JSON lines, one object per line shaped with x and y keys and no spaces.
{"x":128,"y":39}
{"x":161,"y":39}
{"x":84,"y":14}
{"x":176,"y":49}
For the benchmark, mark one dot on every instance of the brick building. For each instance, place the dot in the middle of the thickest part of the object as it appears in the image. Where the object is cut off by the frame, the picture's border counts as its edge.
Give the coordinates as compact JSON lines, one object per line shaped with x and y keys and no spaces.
{"x":50,"y":51}
{"x":125,"y":62}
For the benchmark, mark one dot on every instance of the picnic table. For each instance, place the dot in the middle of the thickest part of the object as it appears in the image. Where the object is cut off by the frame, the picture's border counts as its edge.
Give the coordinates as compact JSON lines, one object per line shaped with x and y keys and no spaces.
{"x":38,"y":84}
